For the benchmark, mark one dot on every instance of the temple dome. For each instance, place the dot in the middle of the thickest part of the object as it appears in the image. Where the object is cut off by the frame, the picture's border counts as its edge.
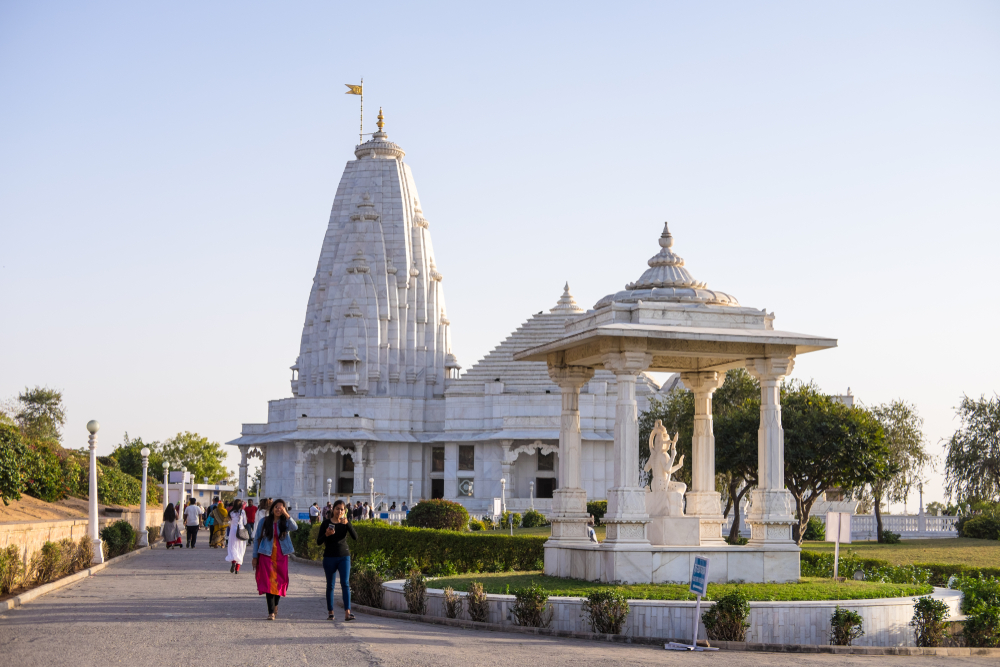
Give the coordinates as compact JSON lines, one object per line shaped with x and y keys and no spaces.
{"x":667,"y":280}
{"x":379,"y":145}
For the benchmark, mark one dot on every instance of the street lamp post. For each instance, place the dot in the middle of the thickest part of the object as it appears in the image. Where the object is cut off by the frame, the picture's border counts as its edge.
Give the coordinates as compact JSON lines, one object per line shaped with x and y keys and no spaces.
{"x":329,"y":487}
{"x":503,"y":498}
{"x":166,"y":485}
{"x":184,"y":477}
{"x":410,"y":504}
{"x":531,"y":495}
{"x":371,"y":491}
{"x":95,"y":538}
{"x":143,"y":540}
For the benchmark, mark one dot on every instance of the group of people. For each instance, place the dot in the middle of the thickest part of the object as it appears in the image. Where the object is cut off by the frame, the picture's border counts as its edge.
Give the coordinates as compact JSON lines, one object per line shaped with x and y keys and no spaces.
{"x":268,"y":527}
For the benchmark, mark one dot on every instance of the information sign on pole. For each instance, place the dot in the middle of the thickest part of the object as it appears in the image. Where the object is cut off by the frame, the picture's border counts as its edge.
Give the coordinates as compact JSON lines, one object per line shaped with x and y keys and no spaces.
{"x":838,"y":529}
{"x":699,"y":585}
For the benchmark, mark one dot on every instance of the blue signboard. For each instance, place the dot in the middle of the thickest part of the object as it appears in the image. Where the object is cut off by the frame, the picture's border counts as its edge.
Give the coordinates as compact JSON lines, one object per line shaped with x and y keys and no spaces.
{"x":383,"y":515}
{"x":303,"y":516}
{"x":699,"y":576}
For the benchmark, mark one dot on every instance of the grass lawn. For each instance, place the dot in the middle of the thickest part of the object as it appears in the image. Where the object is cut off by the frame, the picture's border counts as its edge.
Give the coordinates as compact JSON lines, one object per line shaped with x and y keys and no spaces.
{"x":807,"y":589}
{"x":547,"y":530}
{"x":952,"y":551}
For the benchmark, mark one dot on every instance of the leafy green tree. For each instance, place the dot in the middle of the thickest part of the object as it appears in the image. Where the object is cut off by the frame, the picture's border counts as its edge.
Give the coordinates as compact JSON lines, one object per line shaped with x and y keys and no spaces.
{"x":904,"y":438}
{"x":828,"y":444}
{"x":198,"y":455}
{"x":12,"y":455}
{"x":736,"y":406}
{"x":972,"y":464}
{"x":129,"y":458}
{"x":41,"y":414}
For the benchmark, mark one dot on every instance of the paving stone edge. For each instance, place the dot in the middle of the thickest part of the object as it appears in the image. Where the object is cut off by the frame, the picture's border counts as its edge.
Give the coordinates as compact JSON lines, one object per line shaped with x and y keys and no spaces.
{"x":38,"y":591}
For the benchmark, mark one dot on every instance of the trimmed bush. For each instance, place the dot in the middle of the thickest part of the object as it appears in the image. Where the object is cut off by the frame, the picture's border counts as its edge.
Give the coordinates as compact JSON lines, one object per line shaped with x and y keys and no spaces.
{"x":452,"y":603}
{"x":84,"y":556}
{"x":607,"y":610}
{"x":533,"y":519}
{"x":476,"y":524}
{"x":821,"y":565}
{"x":468,"y":552}
{"x":45,"y":563}
{"x":597,"y":509}
{"x":440,"y":514}
{"x":152,"y":534}
{"x":119,"y":538}
{"x":367,"y":579}
{"x":415,"y":593}
{"x":982,"y":627}
{"x":529,"y":607}
{"x":984,"y":526}
{"x":727,"y":620}
{"x":889,"y":537}
{"x":977,"y":591}
{"x":509,"y":519}
{"x":929,"y":627}
{"x":845,"y":627}
{"x":479,"y":604}
{"x":815,"y":530}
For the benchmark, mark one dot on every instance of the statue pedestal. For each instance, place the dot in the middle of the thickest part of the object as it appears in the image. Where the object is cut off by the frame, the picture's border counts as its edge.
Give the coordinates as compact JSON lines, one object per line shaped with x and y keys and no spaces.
{"x":667,"y":523}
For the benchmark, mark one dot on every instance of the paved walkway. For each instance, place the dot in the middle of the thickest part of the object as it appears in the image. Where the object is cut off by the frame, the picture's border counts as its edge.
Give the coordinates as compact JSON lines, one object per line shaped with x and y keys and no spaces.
{"x":183,"y":607}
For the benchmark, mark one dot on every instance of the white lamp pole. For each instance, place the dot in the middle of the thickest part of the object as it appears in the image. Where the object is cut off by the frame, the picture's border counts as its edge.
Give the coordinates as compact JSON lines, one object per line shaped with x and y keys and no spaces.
{"x":329,"y":487}
{"x":371,"y":491}
{"x":410,"y":504}
{"x":143,"y":533}
{"x":184,"y":477}
{"x":95,"y":538}
{"x":531,"y":494}
{"x":166,"y":485}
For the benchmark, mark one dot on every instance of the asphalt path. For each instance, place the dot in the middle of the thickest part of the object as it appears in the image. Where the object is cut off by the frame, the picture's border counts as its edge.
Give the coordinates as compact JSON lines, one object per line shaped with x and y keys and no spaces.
{"x":183,"y":607}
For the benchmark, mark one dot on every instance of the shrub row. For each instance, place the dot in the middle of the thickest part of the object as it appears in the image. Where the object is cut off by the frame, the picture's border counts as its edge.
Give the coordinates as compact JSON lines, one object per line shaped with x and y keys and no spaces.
{"x":438,"y":551}
{"x":118,"y":538}
{"x":816,"y":564}
{"x":985,"y":526}
{"x":53,"y":561}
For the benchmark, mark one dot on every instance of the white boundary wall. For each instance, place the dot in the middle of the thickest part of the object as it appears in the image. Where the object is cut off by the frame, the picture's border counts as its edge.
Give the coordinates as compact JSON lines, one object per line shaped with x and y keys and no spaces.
{"x":886,"y":620}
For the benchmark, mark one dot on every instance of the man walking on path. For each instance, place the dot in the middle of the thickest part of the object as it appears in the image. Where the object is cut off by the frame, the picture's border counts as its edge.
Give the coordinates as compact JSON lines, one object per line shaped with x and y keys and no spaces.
{"x":314,"y":513}
{"x":192,"y":515}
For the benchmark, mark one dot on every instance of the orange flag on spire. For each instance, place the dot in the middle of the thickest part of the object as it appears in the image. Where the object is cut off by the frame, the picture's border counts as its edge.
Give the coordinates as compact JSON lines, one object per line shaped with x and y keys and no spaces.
{"x":354,"y":90}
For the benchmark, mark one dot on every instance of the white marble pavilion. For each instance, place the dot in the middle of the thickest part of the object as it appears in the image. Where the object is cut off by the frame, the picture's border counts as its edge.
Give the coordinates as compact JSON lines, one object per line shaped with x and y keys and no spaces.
{"x":377,"y":394}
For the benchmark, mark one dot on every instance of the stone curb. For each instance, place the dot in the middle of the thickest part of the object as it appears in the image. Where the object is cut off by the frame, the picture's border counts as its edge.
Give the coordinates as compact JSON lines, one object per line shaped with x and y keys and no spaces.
{"x":38,"y":591}
{"x":956,"y":651}
{"x":656,"y":641}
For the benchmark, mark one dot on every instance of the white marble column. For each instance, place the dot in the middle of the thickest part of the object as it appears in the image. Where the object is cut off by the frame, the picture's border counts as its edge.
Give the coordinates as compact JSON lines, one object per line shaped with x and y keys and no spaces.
{"x":243,"y":471}
{"x":360,"y":478}
{"x":569,"y":504}
{"x":506,"y":465}
{"x":703,"y":501}
{"x":299,"y":490}
{"x":771,"y":512}
{"x":626,"y":518}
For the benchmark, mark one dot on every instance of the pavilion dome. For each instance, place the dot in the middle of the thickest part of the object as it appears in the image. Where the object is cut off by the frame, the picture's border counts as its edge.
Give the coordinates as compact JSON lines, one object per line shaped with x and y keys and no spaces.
{"x":379,"y":145}
{"x":667,"y":280}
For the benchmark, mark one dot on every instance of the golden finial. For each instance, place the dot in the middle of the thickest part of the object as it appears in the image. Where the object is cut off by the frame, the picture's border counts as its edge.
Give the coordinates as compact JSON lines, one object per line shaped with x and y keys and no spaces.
{"x":380,"y":123}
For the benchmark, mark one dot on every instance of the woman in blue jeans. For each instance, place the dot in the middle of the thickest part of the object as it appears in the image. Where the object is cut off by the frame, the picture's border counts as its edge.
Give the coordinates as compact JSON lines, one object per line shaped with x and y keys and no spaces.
{"x":333,"y":534}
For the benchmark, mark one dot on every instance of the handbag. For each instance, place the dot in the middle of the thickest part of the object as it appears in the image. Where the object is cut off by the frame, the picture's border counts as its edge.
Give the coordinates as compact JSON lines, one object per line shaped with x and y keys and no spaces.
{"x":210,"y":521}
{"x":242,"y":533}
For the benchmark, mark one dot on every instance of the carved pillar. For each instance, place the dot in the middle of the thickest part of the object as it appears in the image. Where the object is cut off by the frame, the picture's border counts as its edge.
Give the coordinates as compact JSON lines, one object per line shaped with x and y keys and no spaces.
{"x":506,"y":464}
{"x":299,"y":474}
{"x":243,"y":471}
{"x":626,"y":518}
{"x":310,"y":478}
{"x":360,"y":478}
{"x":569,"y":502}
{"x":771,"y":505}
{"x":703,"y":501}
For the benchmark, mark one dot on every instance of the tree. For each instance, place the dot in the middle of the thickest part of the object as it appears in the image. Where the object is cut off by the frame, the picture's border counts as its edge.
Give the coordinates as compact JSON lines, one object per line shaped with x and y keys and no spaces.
{"x":827,"y":444}
{"x":129,"y":457}
{"x":41,"y":414}
{"x":12,"y":456}
{"x":736,"y":409}
{"x":254,"y":482}
{"x":904,"y":440}
{"x":972,"y":464}
{"x":198,"y":455}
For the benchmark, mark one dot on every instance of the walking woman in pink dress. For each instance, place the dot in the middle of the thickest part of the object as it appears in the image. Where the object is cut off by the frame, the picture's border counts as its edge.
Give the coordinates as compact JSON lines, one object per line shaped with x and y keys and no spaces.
{"x":272,"y":543}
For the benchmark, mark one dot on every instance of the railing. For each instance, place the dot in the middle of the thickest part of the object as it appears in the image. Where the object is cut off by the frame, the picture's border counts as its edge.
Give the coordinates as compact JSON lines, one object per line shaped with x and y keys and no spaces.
{"x":864,"y":527}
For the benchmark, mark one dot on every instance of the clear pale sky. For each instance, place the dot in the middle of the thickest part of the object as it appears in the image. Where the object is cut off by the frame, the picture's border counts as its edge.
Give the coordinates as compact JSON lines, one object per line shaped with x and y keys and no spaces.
{"x":167,"y":172}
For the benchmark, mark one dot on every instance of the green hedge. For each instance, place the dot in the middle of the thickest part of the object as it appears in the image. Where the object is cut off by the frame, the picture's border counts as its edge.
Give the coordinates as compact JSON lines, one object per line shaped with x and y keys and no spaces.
{"x":431,"y":549}
{"x":597,"y":509}
{"x":984,"y":526}
{"x":939,"y":572}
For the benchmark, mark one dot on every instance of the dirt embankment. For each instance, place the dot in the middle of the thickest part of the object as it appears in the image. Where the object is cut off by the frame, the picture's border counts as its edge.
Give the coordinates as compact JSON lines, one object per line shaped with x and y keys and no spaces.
{"x":33,"y":509}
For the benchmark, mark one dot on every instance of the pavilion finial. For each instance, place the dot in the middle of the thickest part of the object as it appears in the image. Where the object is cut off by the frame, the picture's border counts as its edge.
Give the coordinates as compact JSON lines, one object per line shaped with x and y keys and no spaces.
{"x":666,"y":239}
{"x":566,"y":303}
{"x":381,"y":121}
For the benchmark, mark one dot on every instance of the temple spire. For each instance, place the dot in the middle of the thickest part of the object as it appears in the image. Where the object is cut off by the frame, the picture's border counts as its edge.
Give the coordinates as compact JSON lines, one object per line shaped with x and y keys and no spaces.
{"x":566,"y":303}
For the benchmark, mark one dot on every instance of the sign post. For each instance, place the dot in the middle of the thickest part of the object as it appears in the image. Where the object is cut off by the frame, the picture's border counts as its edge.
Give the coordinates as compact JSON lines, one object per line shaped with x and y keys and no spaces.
{"x":699,"y":585}
{"x":839,"y":525}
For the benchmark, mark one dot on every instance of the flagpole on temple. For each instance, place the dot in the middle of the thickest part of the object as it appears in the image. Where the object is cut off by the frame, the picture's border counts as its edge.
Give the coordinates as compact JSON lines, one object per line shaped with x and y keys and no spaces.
{"x":361,"y":128}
